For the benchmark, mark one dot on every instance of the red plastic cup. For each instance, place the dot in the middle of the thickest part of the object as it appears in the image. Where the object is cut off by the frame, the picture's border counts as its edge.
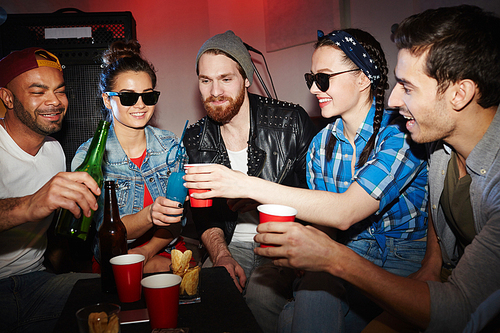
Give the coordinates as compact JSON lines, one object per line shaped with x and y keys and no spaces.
{"x":198,"y":202}
{"x":275,"y":213}
{"x":162,"y":299}
{"x":127,"y":269}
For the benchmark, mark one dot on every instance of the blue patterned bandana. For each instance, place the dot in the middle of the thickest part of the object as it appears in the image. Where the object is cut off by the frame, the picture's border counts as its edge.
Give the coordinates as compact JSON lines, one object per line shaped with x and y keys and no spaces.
{"x":356,"y":52}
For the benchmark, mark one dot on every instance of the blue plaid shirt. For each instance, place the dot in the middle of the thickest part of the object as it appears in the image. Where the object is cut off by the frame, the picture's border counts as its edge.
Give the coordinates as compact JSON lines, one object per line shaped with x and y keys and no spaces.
{"x":393,"y":175}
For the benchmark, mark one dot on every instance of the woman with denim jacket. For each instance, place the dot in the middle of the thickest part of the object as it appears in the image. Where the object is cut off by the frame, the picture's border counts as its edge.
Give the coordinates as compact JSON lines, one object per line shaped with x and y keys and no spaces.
{"x":136,"y":158}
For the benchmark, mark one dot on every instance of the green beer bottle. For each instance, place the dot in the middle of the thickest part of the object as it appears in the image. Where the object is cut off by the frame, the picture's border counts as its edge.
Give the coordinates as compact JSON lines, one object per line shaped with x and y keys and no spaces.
{"x":67,"y":224}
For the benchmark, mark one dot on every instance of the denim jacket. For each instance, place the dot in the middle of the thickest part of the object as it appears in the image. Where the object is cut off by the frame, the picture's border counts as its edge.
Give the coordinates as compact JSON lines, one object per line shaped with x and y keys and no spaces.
{"x":129,"y":179}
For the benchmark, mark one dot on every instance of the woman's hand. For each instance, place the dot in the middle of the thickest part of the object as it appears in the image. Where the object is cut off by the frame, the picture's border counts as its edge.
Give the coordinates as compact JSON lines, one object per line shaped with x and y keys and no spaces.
{"x":164,"y":212}
{"x":220,"y":180}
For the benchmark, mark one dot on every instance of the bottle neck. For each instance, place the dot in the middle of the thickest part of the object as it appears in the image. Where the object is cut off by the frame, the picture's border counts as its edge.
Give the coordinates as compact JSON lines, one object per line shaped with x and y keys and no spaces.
{"x":98,"y":144}
{"x":110,"y":203}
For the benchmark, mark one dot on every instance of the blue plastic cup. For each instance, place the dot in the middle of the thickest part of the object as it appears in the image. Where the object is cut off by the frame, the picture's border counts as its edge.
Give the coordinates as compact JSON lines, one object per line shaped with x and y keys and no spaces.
{"x":175,"y":187}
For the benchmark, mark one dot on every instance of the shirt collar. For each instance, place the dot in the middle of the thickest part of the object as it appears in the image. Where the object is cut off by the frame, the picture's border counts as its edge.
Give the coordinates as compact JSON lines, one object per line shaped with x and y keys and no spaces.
{"x":484,"y":153}
{"x":116,"y":154}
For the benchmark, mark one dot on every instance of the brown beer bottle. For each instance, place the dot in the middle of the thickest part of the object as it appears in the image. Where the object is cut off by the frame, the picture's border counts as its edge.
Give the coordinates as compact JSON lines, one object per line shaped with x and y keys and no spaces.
{"x":112,"y":237}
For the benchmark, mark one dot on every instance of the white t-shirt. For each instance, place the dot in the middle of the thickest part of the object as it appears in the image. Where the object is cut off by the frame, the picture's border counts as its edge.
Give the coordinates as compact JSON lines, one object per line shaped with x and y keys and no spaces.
{"x":22,"y":247}
{"x":246,"y":227}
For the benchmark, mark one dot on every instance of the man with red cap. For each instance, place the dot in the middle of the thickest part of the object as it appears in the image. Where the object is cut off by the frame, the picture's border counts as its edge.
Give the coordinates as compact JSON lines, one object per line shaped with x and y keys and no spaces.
{"x":33,"y":185}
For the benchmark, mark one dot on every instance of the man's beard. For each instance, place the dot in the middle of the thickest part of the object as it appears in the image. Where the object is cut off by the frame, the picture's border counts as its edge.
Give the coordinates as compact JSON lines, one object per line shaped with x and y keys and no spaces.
{"x":224,"y":114}
{"x":30,"y":120}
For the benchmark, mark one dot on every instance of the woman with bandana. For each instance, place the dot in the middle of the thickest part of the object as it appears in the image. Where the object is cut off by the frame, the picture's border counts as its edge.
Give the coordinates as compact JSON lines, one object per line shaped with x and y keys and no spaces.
{"x":361,"y":149}
{"x":369,"y":185}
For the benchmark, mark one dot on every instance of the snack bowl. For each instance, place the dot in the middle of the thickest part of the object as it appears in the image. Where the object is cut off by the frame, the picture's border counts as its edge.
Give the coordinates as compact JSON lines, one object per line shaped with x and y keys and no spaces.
{"x":99,"y":318}
{"x":189,"y":291}
{"x":184,"y":297}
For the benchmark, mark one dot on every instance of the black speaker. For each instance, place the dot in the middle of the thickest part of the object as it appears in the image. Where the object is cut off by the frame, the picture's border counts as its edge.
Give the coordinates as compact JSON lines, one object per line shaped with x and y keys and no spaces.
{"x":79,"y":58}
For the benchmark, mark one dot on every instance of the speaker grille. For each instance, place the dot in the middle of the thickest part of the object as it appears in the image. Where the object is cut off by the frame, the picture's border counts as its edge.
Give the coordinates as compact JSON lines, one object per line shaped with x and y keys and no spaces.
{"x":26,"y":30}
{"x":84,"y":110}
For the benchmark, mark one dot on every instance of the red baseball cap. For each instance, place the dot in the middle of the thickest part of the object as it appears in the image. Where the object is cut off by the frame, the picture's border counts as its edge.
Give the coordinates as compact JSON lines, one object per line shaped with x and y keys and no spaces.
{"x":22,"y":61}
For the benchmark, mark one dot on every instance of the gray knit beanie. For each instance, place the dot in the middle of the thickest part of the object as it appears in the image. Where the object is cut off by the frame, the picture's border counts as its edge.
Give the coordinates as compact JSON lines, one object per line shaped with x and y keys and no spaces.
{"x":232,"y":45}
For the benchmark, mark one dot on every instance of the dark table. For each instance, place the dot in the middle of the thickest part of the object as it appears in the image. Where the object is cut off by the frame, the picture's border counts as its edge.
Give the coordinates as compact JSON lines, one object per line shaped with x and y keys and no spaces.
{"x":222,"y":307}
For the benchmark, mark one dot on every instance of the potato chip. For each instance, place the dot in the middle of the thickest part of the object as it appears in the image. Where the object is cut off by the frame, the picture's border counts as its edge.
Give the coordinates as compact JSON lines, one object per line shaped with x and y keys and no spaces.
{"x":190,"y":276}
{"x":113,"y":324}
{"x":176,"y":260}
{"x":186,"y":258}
{"x":180,"y":261}
{"x":189,"y":284}
{"x":98,"y":322}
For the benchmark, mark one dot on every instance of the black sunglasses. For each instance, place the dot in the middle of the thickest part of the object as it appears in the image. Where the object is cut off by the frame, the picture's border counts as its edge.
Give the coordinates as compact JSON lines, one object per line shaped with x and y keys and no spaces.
{"x":323,"y":80}
{"x":130,"y":98}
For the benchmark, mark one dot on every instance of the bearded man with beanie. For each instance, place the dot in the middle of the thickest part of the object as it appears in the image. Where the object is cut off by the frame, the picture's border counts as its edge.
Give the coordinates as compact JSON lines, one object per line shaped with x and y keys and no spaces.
{"x":256,"y":135}
{"x":33,"y":185}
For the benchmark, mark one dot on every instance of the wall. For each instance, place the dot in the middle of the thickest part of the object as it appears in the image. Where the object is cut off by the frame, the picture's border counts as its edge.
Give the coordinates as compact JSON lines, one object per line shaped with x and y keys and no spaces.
{"x":171,"y":32}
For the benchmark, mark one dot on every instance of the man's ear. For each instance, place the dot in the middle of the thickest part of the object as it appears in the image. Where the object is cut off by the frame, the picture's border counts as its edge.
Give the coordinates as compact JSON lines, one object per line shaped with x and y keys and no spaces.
{"x":247,"y":83}
{"x":7,"y":98}
{"x":463,"y":92}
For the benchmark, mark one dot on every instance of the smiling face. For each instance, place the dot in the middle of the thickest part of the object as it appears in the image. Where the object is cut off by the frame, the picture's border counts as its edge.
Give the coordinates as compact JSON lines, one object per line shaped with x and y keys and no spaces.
{"x":222,"y":88}
{"x":416,"y":95}
{"x":39,"y":99}
{"x":138,"y":115}
{"x":346,"y":92}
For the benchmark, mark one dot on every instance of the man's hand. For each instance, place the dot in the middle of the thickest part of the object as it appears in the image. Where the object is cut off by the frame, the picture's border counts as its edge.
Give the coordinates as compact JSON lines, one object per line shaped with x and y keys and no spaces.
{"x":234,"y":269}
{"x":164,"y":212}
{"x":214,"y":242}
{"x":67,"y":190}
{"x":297,"y":246}
{"x":307,"y":248}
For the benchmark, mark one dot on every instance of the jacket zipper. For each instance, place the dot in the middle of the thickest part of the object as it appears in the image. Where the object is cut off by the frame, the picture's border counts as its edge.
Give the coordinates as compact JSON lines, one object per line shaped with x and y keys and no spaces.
{"x":285,"y":170}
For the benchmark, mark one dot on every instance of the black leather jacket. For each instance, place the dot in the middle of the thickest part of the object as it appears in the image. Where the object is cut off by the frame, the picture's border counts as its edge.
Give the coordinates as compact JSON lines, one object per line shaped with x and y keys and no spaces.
{"x":280,"y":134}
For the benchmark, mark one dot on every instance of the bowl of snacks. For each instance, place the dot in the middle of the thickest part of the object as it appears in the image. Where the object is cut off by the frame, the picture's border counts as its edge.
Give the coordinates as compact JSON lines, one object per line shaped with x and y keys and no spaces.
{"x":189,"y":291}
{"x":99,"y":318}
